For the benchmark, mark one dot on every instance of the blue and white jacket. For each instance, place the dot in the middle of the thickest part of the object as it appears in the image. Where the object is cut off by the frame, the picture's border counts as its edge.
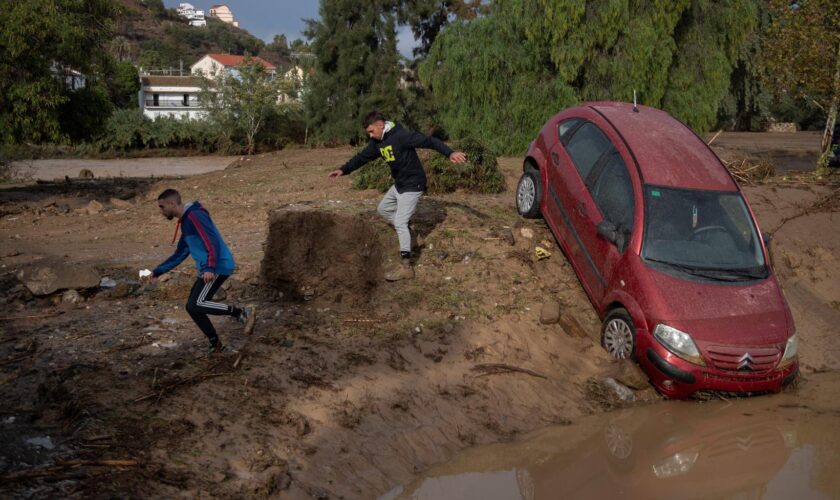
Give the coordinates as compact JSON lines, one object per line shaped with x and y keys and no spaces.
{"x":201,"y":239}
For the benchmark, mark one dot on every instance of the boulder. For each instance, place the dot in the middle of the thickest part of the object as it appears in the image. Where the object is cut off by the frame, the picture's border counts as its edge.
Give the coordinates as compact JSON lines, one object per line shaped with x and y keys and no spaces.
{"x":94,"y":207}
{"x":72,"y":297}
{"x":48,"y":278}
{"x":628,"y":373}
{"x":118,"y":203}
{"x":550,"y":312}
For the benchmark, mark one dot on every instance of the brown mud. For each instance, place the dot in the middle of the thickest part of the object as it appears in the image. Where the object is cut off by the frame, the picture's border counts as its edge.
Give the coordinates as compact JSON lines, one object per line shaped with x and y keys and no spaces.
{"x":331,"y":398}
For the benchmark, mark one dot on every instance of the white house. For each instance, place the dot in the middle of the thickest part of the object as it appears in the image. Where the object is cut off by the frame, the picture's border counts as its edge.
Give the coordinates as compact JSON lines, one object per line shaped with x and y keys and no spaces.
{"x":214,"y":65}
{"x":223,"y":13}
{"x":194,"y":17}
{"x":174,"y":96}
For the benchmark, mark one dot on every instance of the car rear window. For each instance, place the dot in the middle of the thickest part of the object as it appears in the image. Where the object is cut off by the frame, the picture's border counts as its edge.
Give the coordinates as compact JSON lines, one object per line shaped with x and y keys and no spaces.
{"x":586,"y":146}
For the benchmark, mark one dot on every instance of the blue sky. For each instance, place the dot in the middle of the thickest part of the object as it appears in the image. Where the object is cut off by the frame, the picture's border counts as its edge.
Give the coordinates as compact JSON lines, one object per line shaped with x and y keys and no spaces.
{"x":266,"y":18}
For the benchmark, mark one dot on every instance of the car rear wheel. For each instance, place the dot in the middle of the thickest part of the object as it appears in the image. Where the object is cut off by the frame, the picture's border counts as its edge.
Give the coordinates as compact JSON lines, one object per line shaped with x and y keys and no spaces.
{"x":529,"y":193}
{"x":618,"y":334}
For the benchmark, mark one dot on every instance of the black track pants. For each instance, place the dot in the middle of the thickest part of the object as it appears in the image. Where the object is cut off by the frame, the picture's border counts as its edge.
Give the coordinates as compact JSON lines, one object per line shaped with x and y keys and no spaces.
{"x":199,"y":305}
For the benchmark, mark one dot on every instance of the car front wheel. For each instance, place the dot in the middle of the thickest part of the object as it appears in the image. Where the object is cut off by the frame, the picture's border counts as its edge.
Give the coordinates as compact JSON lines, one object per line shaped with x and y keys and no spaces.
{"x":618,"y":334}
{"x":529,"y":193}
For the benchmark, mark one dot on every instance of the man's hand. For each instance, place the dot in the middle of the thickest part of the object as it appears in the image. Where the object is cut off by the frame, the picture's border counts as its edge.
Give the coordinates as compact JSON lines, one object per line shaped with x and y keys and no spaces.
{"x":336,"y":173}
{"x":207,"y":276}
{"x":458,"y":157}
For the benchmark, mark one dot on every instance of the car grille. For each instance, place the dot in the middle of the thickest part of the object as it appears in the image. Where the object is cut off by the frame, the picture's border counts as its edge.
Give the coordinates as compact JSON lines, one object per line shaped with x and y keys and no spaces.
{"x":743,"y":359}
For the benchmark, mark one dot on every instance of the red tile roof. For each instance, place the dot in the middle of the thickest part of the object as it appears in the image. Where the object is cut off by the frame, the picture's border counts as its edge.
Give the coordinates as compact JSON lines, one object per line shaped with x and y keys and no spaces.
{"x":231,"y":60}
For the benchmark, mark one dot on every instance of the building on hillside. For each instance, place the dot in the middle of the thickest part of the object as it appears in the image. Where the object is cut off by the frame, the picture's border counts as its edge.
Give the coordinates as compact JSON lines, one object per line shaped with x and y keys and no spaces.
{"x":173,"y":96}
{"x":194,"y":17}
{"x":214,"y":65}
{"x":223,"y":13}
{"x":296,"y":76}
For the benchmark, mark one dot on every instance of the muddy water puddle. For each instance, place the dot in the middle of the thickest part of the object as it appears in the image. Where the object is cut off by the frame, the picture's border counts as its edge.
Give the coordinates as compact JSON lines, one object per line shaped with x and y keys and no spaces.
{"x":767,"y":447}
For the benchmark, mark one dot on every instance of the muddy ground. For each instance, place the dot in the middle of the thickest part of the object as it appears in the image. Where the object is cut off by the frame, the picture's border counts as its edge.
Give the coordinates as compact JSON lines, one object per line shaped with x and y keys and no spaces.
{"x":343,"y":391}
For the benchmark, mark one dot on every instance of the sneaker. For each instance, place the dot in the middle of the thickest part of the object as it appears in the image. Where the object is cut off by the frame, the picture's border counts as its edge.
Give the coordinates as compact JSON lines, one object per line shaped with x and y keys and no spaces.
{"x":403,"y":271}
{"x":216,"y":348}
{"x":248,"y":317}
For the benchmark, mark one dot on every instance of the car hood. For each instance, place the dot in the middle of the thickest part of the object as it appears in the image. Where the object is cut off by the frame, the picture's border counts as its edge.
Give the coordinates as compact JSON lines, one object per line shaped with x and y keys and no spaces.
{"x":751,"y":313}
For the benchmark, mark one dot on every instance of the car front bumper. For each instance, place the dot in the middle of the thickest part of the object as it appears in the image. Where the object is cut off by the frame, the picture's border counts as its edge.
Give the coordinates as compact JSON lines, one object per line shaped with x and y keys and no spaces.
{"x":676,"y":378}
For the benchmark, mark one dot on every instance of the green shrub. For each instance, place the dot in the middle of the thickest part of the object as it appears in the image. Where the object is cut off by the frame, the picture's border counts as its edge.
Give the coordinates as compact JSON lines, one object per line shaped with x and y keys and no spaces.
{"x":479,"y":174}
{"x":128,"y":130}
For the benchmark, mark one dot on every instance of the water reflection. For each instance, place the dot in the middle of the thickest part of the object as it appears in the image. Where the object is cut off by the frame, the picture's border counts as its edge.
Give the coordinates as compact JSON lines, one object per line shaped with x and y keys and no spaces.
{"x":743,"y":450}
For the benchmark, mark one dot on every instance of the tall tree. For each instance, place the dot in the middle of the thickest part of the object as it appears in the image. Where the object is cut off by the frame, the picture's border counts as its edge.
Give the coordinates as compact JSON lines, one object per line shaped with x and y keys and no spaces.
{"x":803,"y":54}
{"x":240,"y":101}
{"x":502,"y":74}
{"x":39,"y":40}
{"x":428,"y":17}
{"x":356,"y":69}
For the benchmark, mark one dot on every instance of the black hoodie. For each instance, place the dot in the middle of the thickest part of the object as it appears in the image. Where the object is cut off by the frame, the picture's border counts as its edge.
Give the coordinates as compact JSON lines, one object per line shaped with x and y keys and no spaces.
{"x":398,"y":149}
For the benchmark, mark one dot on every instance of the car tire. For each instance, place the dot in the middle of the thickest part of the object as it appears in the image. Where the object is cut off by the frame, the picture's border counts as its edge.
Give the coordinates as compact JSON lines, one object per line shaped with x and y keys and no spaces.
{"x":618,"y":334}
{"x":529,"y":193}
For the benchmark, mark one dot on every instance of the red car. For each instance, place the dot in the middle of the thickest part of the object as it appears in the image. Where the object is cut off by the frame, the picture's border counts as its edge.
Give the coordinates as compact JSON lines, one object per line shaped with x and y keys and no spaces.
{"x":665,"y":246}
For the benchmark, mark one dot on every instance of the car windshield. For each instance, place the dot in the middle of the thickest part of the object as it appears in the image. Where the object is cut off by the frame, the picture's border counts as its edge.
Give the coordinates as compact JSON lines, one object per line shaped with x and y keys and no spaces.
{"x":702,"y":233}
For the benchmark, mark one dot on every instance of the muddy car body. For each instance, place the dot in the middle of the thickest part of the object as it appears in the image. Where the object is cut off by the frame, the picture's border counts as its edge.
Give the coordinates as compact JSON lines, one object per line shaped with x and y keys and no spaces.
{"x":665,"y":246}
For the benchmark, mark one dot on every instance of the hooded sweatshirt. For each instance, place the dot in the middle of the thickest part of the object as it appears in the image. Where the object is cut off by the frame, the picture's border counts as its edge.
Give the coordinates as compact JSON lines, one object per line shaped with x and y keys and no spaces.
{"x":201,"y":239}
{"x":398,"y":148}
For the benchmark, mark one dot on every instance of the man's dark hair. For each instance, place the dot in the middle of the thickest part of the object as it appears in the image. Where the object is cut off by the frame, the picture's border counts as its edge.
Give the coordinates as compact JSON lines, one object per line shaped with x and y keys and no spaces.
{"x":373,"y":117}
{"x":170,"y":194}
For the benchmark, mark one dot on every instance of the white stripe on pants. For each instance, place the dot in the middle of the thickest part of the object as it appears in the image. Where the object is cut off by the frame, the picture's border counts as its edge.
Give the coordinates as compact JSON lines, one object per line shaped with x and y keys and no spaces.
{"x":397,"y":208}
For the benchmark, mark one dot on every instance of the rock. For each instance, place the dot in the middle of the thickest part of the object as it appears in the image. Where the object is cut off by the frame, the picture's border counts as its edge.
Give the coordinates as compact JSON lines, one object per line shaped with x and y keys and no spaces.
{"x":620,"y":390}
{"x":46,"y":279}
{"x":94,"y":207}
{"x":118,"y":203}
{"x":220,"y":295}
{"x":550,"y":312}
{"x":527,"y":233}
{"x":107,"y":282}
{"x":72,"y":297}
{"x":448,"y":327}
{"x":629,"y":374}
{"x":121,"y":291}
{"x":507,"y":235}
{"x":86,"y":173}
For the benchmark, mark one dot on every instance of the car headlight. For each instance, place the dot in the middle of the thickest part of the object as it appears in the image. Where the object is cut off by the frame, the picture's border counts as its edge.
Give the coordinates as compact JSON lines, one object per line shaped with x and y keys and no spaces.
{"x":791,"y":348}
{"x":678,"y":463}
{"x":679,"y":343}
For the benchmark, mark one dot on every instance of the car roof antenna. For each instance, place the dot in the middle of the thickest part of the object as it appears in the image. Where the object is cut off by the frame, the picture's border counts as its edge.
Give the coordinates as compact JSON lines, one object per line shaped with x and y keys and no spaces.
{"x":635,"y":108}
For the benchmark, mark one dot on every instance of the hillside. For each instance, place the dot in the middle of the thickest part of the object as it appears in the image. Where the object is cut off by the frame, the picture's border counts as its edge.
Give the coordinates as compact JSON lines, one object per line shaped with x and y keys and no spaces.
{"x":152,"y":37}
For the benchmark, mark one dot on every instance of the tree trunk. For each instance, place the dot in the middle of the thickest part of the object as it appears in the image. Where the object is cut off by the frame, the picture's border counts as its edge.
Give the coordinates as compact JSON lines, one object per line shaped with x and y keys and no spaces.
{"x":831,"y":119}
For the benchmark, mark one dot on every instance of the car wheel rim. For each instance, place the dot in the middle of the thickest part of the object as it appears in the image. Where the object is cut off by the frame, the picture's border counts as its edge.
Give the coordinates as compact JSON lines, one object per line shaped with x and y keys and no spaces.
{"x":526,"y":194}
{"x":618,"y":339}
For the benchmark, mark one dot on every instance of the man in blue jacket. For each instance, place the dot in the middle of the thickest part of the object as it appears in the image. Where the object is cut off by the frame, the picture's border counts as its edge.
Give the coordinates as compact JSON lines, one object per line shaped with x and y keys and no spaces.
{"x":397,"y":146}
{"x":201,"y":239}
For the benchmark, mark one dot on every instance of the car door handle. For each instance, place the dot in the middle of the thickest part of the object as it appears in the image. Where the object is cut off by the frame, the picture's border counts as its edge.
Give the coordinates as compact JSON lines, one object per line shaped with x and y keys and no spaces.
{"x":581,"y":208}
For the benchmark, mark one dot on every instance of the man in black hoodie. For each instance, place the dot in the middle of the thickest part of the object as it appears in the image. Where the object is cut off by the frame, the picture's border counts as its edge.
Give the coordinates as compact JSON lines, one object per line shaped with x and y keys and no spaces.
{"x":397,"y":146}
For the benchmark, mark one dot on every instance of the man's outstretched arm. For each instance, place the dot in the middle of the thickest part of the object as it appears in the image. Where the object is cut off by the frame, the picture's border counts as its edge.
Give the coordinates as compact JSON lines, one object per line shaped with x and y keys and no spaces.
{"x":366,"y":155}
{"x":181,"y":253}
{"x":418,"y":140}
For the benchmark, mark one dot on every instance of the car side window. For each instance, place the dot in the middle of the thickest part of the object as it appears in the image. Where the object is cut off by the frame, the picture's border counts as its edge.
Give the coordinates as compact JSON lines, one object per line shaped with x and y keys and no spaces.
{"x":586,"y":146}
{"x":613,"y":192}
{"x":566,"y":129}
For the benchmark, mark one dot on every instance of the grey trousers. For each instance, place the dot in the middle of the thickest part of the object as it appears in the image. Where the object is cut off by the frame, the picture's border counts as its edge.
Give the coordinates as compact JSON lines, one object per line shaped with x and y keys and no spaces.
{"x":397,"y":209}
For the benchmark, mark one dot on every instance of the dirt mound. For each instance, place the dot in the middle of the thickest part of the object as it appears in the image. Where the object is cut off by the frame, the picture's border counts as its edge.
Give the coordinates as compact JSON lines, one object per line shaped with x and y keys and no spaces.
{"x":314,"y":254}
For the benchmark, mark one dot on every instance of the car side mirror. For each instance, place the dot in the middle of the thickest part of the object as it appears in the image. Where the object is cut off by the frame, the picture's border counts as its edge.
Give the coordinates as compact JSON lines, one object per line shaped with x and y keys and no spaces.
{"x":612,"y":233}
{"x":608,"y":231}
{"x":767,"y":238}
